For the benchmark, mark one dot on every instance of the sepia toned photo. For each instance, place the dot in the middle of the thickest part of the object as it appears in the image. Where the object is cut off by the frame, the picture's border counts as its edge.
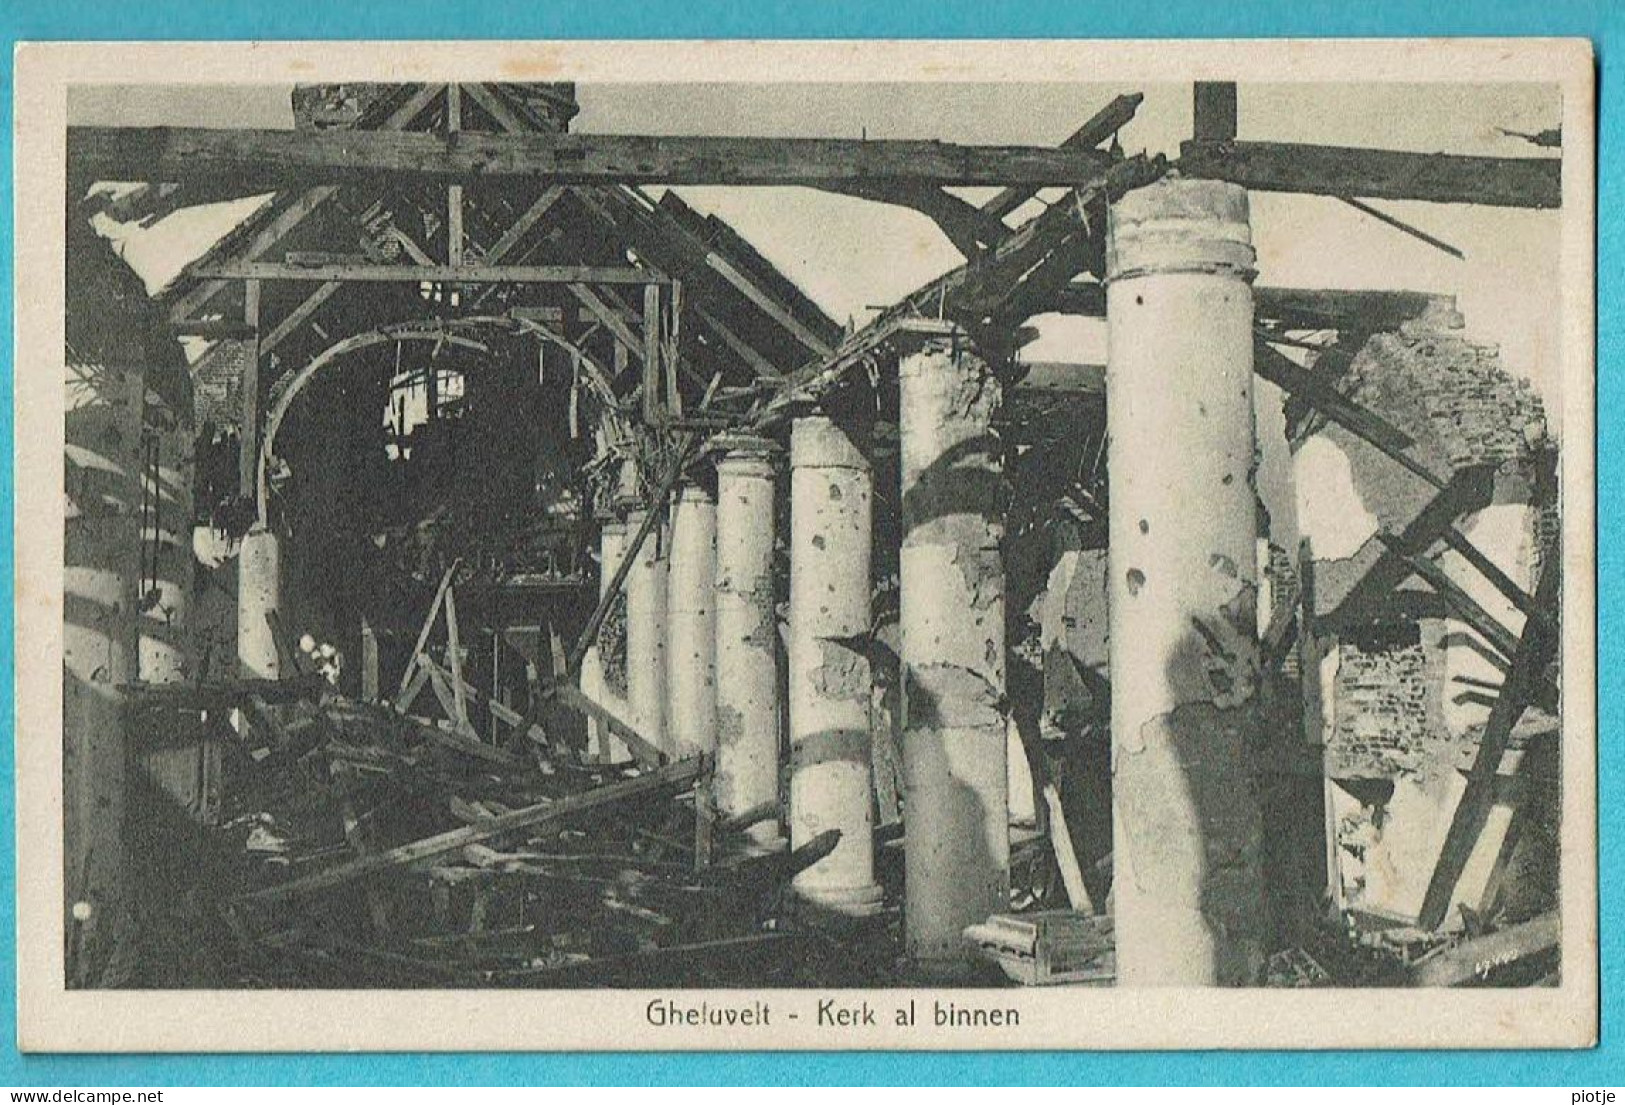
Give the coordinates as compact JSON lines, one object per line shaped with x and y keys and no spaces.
{"x":847,"y":545}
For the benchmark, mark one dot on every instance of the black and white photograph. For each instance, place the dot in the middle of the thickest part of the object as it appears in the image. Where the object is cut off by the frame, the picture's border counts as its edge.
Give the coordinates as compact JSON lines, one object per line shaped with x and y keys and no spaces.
{"x":781,"y":550}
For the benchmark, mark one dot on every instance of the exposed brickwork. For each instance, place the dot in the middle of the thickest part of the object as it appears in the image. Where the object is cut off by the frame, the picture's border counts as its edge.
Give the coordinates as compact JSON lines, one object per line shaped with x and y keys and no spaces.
{"x":1463,"y":409}
{"x":1389,"y":705}
{"x":217,"y":384}
{"x":1453,"y":396}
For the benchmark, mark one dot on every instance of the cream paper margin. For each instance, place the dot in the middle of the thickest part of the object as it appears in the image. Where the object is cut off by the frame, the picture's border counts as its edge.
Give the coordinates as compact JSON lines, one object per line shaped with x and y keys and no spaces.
{"x":52,"y":1019}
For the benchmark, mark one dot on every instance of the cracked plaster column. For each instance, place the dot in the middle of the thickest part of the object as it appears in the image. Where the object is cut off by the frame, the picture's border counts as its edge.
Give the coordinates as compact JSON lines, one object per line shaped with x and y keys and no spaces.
{"x":831,"y":493}
{"x":747,"y":770}
{"x":955,"y":767}
{"x":646,"y":634}
{"x":259,"y":589}
{"x":691,"y":682}
{"x":1186,"y":879}
{"x":611,"y":549}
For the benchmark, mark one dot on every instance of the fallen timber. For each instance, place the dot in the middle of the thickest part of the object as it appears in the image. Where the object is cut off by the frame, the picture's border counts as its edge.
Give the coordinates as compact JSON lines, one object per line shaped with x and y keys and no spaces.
{"x":531,"y":817}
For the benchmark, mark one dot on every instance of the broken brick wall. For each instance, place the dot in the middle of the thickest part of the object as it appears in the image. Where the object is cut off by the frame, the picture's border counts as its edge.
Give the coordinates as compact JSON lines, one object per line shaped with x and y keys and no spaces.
{"x":1408,"y":690}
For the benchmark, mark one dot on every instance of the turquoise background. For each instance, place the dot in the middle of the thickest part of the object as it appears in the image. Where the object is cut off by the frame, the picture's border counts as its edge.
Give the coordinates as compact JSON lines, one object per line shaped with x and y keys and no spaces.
{"x":1600,"y":21}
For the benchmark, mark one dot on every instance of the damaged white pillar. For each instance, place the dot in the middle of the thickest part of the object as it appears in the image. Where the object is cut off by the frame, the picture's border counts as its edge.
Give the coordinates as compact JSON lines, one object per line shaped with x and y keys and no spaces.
{"x":259,"y":589}
{"x":646,"y":642}
{"x":747,"y":703}
{"x":646,"y":633}
{"x":957,"y":839}
{"x":1186,"y":865}
{"x":600,"y":742}
{"x":831,"y":492}
{"x":691,"y":679}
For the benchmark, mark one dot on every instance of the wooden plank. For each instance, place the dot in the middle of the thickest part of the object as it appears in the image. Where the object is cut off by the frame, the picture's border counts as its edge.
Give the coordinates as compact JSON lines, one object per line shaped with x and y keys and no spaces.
{"x":972,"y":292}
{"x":369,"y":661}
{"x":650,"y":354}
{"x":1214,"y":114}
{"x":768,"y":306}
{"x":248,"y":426}
{"x":454,"y":659}
{"x":428,"y":625}
{"x":1360,"y":310}
{"x":1462,"y":604}
{"x":1095,"y":130}
{"x":273,"y":158}
{"x":1473,"y":959}
{"x":523,"y":224}
{"x":611,"y":319}
{"x":1535,"y":649}
{"x":495,"y":108}
{"x":469,"y":746}
{"x":741,"y":348}
{"x":301,"y":207}
{"x":1066,"y":856}
{"x":711,"y":232}
{"x":1343,"y":171}
{"x":1363,"y":423}
{"x":416,"y":678}
{"x":296,"y":317}
{"x":669,"y":332}
{"x":454,"y":192}
{"x":1404,"y":227}
{"x":1464,"y":547}
{"x":440,"y":683}
{"x":417,"y":273}
{"x":498,"y":710}
{"x":520,"y":820}
{"x":1468,"y":490}
{"x":966,"y":225}
{"x":1355,"y":310}
{"x":643,"y":751}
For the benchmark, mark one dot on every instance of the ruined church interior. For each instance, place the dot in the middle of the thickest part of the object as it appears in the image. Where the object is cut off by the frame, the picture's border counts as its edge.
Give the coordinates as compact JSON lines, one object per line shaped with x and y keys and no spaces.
{"x":486,"y":568}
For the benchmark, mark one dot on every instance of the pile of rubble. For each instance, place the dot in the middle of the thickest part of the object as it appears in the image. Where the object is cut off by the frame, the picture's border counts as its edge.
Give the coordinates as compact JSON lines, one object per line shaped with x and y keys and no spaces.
{"x":378,"y":849}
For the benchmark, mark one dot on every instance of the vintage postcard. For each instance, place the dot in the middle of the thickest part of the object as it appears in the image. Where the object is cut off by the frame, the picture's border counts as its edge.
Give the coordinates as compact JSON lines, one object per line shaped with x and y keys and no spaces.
{"x":669,"y":545}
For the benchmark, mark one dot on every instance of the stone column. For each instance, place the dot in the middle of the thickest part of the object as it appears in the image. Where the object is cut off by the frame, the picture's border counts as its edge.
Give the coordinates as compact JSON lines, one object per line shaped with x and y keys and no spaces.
{"x":831,"y":492}
{"x":955,"y":766}
{"x":1184,"y":522}
{"x":600,"y":743}
{"x":259,"y":588}
{"x":646,"y":634}
{"x":691,"y":680}
{"x":101,"y":567}
{"x":747,"y":649}
{"x":189,"y":773}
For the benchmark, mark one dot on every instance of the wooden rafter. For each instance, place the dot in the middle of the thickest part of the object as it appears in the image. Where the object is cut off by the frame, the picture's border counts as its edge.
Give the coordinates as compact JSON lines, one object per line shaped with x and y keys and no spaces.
{"x":299,"y":315}
{"x":1344,"y":171}
{"x":275,"y":158}
{"x":970,"y":229}
{"x":298,"y":208}
{"x":415,"y":273}
{"x":1095,"y":130}
{"x":1534,"y":651}
{"x":741,"y":348}
{"x":611,"y":319}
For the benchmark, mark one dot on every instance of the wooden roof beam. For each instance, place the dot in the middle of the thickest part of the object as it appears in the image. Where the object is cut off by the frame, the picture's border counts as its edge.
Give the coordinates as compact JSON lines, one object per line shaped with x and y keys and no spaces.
{"x":271,"y":158}
{"x":1345,"y":171}
{"x":450,"y":274}
{"x":1095,"y":130}
{"x":970,"y":229}
{"x":1361,"y":310}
